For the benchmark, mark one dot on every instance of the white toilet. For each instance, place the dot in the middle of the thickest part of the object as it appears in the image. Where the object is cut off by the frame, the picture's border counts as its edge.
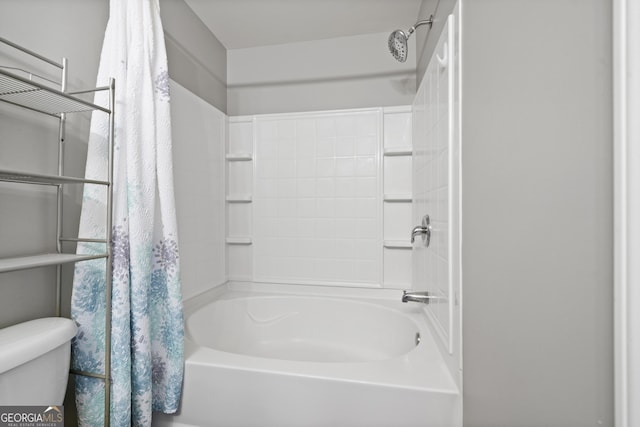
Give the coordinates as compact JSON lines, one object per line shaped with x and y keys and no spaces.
{"x":34,"y":361}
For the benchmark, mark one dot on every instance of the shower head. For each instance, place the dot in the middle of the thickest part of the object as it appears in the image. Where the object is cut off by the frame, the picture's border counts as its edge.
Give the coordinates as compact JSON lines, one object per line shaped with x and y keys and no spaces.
{"x":398,"y":40}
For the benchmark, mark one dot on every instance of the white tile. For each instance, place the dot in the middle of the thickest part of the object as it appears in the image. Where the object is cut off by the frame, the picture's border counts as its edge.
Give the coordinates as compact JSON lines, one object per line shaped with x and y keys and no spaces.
{"x":287,"y":208}
{"x":366,"y":166}
{"x":286,"y":128}
{"x":366,"y":228}
{"x":266,"y":148}
{"x":306,"y":208}
{"x":367,"y":207}
{"x":367,"y":271}
{"x":325,"y":228}
{"x":345,"y":208}
{"x":306,"y":229}
{"x":325,"y":187}
{"x":324,"y":248}
{"x":240,"y":137}
{"x":397,"y":268}
{"x":345,"y":146}
{"x":306,"y":129}
{"x":367,"y":124}
{"x":345,"y":228}
{"x":397,"y":174}
{"x":268,"y":167}
{"x":325,"y":208}
{"x":397,"y":221}
{"x":286,"y":188}
{"x":239,"y":219}
{"x":367,"y":249}
{"x":326,"y":147}
{"x":266,"y":130}
{"x":367,"y":145}
{"x":325,"y":167}
{"x":286,"y":148}
{"x":305,"y":187}
{"x":345,"y":166}
{"x":239,"y":262}
{"x":326,"y":127}
{"x":346,"y":126}
{"x":240,"y":177}
{"x":345,"y":187}
{"x":397,"y":130}
{"x":305,"y":167}
{"x":346,"y":249}
{"x":367,"y":187}
{"x":286,"y":168}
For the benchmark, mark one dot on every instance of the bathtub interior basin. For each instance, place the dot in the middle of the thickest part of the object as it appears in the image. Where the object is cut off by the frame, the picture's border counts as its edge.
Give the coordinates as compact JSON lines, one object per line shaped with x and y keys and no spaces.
{"x":302,"y":328}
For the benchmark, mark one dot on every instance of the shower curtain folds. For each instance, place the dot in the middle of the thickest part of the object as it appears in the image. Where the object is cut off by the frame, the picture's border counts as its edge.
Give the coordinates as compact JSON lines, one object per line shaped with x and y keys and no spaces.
{"x":147,"y":321}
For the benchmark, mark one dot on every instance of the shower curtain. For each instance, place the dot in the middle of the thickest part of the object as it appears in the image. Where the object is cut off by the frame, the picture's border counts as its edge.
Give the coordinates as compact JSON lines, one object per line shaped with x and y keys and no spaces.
{"x":147,"y":322}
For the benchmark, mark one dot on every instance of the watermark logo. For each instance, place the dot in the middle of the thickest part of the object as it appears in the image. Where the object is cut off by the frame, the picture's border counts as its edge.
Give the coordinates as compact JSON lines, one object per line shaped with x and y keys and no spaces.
{"x":31,"y":416}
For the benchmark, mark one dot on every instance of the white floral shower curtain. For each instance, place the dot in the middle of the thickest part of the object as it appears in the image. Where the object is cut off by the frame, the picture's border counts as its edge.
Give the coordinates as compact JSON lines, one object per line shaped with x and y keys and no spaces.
{"x":147,"y":323}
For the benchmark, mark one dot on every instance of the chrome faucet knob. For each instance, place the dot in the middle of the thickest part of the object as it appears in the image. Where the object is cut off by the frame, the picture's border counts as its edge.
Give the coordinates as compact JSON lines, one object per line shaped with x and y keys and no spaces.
{"x":424,"y":230}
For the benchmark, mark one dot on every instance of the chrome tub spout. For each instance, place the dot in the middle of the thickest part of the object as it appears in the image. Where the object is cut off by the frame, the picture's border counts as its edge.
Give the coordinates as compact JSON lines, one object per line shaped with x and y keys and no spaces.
{"x":417,"y":296}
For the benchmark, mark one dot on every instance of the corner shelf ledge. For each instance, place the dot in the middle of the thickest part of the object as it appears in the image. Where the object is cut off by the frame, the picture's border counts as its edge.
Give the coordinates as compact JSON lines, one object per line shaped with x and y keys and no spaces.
{"x":239,"y":157}
{"x":397,"y":244}
{"x":398,"y":198}
{"x":398,"y":151}
{"x":238,"y":240}
{"x":239,"y":198}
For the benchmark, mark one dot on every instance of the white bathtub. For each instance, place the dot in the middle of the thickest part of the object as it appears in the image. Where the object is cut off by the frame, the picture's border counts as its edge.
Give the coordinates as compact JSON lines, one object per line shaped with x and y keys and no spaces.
{"x":264,"y":355}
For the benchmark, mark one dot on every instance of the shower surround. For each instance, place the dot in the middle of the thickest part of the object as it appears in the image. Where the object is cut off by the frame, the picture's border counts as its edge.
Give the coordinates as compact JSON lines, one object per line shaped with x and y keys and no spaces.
{"x":318,"y":209}
{"x":309,"y":198}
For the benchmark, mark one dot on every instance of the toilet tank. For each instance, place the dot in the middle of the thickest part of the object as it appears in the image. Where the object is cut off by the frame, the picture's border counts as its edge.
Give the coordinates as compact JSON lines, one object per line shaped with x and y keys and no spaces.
{"x":34,"y":361}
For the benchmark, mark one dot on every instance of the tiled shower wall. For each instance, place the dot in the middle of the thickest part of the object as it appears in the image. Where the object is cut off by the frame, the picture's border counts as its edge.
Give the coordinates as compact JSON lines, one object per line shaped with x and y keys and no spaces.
{"x":436,"y":186}
{"x":305,"y":196}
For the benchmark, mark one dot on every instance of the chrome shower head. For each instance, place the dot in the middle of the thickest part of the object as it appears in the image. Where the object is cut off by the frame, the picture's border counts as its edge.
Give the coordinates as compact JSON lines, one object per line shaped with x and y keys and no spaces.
{"x":398,"y":45}
{"x":398,"y":40}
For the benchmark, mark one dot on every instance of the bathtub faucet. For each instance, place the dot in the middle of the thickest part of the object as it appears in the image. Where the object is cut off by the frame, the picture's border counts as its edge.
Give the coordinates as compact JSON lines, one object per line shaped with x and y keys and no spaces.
{"x":417,"y":296}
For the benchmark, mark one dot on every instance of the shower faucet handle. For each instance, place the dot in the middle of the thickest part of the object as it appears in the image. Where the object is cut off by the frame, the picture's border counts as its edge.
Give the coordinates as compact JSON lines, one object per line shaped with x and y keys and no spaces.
{"x":424,"y":230}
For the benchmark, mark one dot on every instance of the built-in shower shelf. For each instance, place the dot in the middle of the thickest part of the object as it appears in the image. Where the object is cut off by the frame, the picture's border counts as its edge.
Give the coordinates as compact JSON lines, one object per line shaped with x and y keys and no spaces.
{"x":397,"y":244}
{"x":35,"y":178}
{"x":239,"y":240}
{"x":239,"y":157}
{"x":43,"y":260}
{"x":398,"y":198}
{"x":35,"y":96}
{"x":239,"y":198}
{"x":398,"y":151}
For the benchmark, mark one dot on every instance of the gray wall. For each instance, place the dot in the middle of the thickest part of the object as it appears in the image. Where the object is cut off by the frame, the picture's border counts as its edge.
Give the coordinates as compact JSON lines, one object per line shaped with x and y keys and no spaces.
{"x":424,"y":42}
{"x":537,"y":213}
{"x":344,"y":72}
{"x":197,"y":60}
{"x":29,"y":141}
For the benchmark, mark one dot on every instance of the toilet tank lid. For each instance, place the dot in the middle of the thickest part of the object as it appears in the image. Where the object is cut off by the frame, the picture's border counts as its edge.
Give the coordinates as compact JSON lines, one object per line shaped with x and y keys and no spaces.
{"x":25,"y":341}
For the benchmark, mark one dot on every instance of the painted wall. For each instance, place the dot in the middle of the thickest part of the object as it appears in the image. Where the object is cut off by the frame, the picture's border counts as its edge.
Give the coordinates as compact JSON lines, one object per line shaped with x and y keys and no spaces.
{"x":29,"y":141}
{"x":426,"y":37}
{"x":339,"y":73}
{"x":537,"y":213}
{"x":197,"y":60}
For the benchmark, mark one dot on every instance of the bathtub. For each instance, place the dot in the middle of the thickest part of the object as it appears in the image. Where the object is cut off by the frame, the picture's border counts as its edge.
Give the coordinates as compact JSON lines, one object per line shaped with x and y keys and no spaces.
{"x":268,"y":355}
